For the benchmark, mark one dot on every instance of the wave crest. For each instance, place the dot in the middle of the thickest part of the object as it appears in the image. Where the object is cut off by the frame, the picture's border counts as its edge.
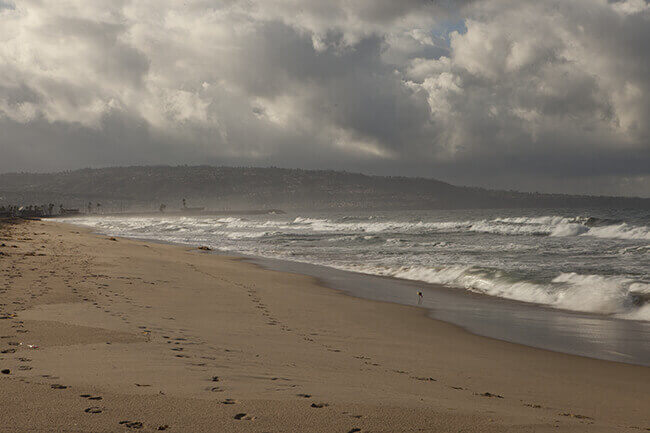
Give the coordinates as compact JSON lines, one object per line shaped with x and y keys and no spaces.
{"x":612,"y":295}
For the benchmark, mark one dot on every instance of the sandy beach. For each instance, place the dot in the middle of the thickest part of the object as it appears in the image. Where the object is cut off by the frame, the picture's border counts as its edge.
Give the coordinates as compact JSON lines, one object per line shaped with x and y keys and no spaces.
{"x":102,"y":334}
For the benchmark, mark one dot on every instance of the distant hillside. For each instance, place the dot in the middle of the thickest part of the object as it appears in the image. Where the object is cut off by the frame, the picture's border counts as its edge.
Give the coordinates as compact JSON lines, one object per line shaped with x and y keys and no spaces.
{"x":139,"y":188}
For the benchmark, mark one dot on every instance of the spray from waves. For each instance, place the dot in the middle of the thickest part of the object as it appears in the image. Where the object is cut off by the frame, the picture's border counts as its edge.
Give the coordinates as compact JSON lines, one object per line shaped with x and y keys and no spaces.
{"x":555,"y":226}
{"x":559,"y":226}
{"x":612,"y":295}
{"x":621,"y":231}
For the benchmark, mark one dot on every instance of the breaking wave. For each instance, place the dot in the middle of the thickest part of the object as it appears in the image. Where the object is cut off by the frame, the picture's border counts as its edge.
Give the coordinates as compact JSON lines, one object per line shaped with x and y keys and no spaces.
{"x":611,"y":295}
{"x":556,"y":226}
{"x":580,"y":226}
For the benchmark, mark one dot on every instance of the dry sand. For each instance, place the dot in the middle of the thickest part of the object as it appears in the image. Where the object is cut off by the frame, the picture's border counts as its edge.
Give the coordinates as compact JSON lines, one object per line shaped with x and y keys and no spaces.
{"x":141,"y":336}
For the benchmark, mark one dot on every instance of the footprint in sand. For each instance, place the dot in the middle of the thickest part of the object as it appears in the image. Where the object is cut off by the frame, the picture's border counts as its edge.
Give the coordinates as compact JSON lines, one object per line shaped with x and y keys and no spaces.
{"x":229,"y":401}
{"x":132,"y":424}
{"x":243,"y":416}
{"x":58,"y":386}
{"x":575,"y":415}
{"x":215,"y":389}
{"x":489,"y":394}
{"x":319,"y":405}
{"x":93,"y":409}
{"x":304,"y":395}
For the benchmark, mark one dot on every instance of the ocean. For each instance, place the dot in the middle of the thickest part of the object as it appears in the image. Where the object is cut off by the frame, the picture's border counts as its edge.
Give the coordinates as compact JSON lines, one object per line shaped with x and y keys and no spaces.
{"x":588,"y":260}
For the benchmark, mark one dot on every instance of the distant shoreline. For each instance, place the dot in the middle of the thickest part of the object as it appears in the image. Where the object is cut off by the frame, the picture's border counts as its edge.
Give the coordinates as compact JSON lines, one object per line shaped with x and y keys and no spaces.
{"x":177,"y":213}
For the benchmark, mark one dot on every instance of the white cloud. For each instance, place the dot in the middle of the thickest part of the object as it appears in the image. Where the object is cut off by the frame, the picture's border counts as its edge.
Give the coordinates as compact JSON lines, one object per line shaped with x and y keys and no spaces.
{"x":536,"y":61}
{"x":415,"y":82}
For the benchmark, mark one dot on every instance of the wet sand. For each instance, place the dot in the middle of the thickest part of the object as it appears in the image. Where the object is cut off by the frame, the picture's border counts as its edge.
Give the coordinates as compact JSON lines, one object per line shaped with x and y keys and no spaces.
{"x":578,"y":333}
{"x":104,"y":334}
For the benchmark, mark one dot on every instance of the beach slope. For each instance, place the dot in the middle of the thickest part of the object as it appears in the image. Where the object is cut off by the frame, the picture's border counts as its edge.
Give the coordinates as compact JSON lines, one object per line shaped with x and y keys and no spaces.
{"x":100,"y":334}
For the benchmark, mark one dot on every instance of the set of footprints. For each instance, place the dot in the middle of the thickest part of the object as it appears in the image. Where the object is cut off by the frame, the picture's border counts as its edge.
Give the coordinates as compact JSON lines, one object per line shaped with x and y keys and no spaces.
{"x":264,"y":309}
{"x":367,"y":361}
{"x":105,"y":299}
{"x":98,"y":409}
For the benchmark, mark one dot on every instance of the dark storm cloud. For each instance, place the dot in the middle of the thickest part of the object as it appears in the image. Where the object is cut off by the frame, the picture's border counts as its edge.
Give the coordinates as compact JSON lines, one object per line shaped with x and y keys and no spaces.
{"x":499,"y":92}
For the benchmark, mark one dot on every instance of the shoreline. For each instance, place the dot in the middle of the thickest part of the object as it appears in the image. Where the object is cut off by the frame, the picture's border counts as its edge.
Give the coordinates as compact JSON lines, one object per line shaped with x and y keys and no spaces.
{"x":567,"y":317}
{"x":502,"y":319}
{"x":286,"y":352}
{"x":546,"y":283}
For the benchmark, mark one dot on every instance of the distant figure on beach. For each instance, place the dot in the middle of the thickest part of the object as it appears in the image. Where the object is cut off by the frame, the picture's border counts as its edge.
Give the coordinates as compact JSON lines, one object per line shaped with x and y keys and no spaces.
{"x":419,"y":298}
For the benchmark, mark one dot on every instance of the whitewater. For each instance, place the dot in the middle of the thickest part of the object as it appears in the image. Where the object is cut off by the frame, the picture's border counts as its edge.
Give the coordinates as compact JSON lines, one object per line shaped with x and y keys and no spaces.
{"x":583,"y":260}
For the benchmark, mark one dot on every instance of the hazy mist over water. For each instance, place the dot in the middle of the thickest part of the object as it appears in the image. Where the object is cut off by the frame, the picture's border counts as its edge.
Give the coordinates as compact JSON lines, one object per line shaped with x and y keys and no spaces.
{"x":586,"y":260}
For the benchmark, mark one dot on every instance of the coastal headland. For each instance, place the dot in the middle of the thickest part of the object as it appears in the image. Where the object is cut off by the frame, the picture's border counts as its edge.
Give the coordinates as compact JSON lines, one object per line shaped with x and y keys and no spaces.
{"x":102,"y":334}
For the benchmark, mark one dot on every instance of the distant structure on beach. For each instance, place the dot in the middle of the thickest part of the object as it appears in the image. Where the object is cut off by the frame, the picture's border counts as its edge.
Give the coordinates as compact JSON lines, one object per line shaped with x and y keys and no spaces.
{"x":35,"y":211}
{"x":68,"y":212}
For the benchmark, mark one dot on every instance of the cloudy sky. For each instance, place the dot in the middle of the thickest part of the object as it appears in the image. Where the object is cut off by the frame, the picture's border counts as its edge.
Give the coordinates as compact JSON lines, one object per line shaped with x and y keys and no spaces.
{"x":549,"y":95}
